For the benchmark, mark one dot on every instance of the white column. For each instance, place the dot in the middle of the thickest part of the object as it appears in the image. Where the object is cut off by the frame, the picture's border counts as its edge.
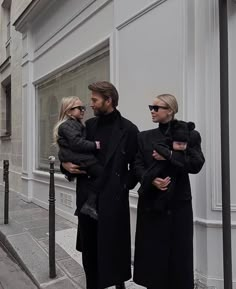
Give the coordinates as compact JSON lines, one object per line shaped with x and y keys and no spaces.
{"x":28,"y":117}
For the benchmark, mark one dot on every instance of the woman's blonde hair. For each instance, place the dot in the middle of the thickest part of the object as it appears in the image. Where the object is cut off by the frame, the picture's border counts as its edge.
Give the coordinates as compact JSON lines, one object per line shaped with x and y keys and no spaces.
{"x":66,"y":104}
{"x":171,"y":102}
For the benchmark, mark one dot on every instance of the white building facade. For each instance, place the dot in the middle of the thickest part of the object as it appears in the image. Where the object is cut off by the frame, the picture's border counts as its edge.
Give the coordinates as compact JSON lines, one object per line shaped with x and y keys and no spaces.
{"x":145,"y":48}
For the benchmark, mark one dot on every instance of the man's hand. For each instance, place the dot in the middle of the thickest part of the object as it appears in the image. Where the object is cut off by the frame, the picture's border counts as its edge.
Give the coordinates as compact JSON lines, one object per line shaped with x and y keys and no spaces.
{"x":161,"y":184}
{"x":72,"y":168}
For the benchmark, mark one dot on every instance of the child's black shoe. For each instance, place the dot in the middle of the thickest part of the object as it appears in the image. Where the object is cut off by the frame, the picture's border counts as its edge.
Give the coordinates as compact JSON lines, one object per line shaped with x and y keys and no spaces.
{"x":90,"y":211}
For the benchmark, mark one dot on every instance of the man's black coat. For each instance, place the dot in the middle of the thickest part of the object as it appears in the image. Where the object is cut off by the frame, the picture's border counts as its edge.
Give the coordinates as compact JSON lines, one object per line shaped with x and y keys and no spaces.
{"x":113,"y":239}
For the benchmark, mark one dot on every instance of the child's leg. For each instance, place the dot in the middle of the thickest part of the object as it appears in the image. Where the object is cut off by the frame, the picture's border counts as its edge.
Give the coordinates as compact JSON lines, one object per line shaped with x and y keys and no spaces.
{"x":90,"y":207}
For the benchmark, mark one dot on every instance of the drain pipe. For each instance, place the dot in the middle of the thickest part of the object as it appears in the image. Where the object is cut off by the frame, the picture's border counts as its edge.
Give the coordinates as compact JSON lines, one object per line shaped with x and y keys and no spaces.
{"x":225,"y":157}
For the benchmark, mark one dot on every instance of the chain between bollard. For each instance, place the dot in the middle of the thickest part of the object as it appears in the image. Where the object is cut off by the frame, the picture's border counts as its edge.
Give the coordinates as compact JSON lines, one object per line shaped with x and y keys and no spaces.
{"x":52,"y":263}
{"x":6,"y":195}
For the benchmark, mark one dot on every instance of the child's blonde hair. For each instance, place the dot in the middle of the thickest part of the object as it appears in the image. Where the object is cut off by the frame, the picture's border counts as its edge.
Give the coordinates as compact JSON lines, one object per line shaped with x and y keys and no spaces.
{"x":66,"y":104}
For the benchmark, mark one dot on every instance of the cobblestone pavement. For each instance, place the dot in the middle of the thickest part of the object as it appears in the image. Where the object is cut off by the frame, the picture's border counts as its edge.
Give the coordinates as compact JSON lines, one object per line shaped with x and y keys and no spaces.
{"x":11,"y":275}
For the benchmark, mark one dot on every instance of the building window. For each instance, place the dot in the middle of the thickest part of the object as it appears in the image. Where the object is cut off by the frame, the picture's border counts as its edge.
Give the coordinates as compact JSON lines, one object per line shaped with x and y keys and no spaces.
{"x":69,"y":82}
{"x":6,"y":111}
{"x":6,"y":5}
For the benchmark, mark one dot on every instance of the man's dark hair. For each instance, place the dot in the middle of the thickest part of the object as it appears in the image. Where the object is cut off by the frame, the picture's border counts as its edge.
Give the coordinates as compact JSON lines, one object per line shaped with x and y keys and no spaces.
{"x":106,"y":89}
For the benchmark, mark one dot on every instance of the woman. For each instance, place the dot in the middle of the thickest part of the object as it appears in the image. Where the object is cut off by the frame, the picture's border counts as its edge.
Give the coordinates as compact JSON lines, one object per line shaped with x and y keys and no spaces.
{"x":164,"y":239}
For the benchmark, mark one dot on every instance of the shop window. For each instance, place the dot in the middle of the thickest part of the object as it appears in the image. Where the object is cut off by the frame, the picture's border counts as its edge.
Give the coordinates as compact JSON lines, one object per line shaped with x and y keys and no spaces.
{"x":69,"y":82}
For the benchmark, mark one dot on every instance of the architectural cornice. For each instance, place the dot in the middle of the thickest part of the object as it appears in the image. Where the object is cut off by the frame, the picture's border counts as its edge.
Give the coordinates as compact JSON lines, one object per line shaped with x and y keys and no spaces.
{"x":30,"y":12}
{"x":6,"y":4}
{"x":140,"y":13}
{"x":5,"y":64}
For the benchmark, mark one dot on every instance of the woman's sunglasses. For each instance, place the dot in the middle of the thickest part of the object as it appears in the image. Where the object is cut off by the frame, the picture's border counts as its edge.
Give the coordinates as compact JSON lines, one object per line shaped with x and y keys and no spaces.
{"x":156,"y":107}
{"x":80,"y":108}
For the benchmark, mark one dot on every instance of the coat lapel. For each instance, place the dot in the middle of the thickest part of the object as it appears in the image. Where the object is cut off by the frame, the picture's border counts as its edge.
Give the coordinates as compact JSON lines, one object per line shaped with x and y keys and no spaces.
{"x":157,"y":137}
{"x":116,"y":136}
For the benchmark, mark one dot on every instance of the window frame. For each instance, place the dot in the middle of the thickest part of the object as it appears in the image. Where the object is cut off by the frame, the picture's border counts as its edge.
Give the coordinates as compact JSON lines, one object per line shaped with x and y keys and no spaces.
{"x":7,"y":119}
{"x":6,"y":5}
{"x":83,"y":60}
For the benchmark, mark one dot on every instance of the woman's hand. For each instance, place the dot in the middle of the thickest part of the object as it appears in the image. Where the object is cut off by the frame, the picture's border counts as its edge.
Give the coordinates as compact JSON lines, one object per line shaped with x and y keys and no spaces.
{"x":72,"y":168}
{"x":161,"y":184}
{"x":157,"y":156}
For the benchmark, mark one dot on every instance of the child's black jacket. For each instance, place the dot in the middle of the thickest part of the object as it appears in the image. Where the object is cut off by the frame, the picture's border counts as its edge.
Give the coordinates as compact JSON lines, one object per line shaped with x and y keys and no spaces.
{"x":73,"y":146}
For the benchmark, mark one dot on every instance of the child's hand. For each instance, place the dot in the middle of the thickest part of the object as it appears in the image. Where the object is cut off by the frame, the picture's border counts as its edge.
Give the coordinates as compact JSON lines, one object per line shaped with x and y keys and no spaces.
{"x":98,"y":146}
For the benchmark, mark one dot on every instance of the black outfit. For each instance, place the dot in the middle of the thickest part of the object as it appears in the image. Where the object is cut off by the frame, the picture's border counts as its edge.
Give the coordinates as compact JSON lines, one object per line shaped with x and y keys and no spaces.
{"x":164,"y":241}
{"x":105,"y":244}
{"x":175,"y":130}
{"x":73,"y":147}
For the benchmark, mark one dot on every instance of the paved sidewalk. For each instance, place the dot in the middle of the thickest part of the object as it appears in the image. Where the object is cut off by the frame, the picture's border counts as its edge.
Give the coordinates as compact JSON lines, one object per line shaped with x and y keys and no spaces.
{"x":11,"y":275}
{"x":26,"y":238}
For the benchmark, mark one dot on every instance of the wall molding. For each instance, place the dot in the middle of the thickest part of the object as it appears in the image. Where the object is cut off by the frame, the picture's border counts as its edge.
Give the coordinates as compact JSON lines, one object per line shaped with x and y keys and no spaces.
{"x":11,"y":191}
{"x":140,"y":14}
{"x":70,"y":20}
{"x":218,"y":207}
{"x":212,"y":92}
{"x":208,"y":282}
{"x":213,"y":149}
{"x":200,"y":285}
{"x":102,"y":44}
{"x":30,"y":13}
{"x":64,"y":34}
{"x":60,"y":212}
{"x":12,"y":172}
{"x":5,"y":64}
{"x":211,"y":223}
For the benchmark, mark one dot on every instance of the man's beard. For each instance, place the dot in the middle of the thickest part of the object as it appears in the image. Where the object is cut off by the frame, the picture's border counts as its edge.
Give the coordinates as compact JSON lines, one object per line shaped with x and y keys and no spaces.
{"x":100,"y":111}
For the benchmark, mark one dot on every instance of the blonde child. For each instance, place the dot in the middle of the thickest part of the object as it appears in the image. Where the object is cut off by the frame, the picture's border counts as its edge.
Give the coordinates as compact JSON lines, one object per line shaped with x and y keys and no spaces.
{"x":70,"y":135}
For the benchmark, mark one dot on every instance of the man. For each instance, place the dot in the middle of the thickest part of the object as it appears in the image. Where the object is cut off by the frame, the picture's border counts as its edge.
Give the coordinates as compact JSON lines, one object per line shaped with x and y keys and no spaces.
{"x":105,"y":243}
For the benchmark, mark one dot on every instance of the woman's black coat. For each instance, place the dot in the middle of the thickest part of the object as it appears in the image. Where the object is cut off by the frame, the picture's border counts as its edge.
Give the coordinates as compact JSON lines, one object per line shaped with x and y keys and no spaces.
{"x":153,"y":244}
{"x":114,"y":245}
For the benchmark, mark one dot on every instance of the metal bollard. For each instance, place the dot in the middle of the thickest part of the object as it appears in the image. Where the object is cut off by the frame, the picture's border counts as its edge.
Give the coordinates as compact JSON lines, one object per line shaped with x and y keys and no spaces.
{"x":6,"y":196}
{"x":52,"y":264}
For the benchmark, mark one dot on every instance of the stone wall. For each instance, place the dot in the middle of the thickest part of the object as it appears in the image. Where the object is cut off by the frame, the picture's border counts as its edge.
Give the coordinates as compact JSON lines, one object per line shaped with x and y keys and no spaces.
{"x":11,"y":148}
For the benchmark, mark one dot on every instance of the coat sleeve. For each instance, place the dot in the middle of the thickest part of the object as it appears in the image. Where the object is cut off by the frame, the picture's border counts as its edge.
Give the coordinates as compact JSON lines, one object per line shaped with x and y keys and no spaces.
{"x":75,"y":139}
{"x":66,"y":155}
{"x":131,"y":152}
{"x":139,"y":166}
{"x":193,"y":160}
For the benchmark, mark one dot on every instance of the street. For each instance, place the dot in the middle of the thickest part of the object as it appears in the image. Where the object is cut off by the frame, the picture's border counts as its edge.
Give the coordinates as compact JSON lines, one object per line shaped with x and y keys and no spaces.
{"x":11,"y":275}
